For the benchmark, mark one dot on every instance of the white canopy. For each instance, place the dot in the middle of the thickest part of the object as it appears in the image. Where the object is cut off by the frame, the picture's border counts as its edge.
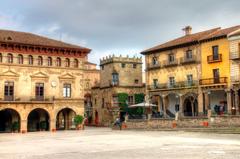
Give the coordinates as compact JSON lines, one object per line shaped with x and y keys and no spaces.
{"x":144,"y":104}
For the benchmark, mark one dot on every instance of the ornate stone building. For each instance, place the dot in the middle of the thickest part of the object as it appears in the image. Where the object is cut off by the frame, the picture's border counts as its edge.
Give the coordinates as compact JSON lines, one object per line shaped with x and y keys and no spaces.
{"x":118,"y":76}
{"x":42,"y":81}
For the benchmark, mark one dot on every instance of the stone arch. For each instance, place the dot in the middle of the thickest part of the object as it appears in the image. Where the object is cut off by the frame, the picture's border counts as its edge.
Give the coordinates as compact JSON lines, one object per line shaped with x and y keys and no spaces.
{"x":172,"y":102}
{"x":10,"y":120}
{"x":65,"y":119}
{"x":190,"y":104}
{"x":38,"y":119}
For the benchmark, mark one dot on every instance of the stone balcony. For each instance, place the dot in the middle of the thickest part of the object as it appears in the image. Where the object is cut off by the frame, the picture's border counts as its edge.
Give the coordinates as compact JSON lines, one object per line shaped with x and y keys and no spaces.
{"x":153,"y":66}
{"x":176,"y":85}
{"x":185,"y":60}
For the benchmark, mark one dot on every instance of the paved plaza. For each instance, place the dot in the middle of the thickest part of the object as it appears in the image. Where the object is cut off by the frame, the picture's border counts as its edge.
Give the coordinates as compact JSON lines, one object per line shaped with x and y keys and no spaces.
{"x":103,"y":143}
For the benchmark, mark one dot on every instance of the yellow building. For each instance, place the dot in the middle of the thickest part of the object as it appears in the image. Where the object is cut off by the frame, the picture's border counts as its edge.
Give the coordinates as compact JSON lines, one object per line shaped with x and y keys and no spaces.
{"x":179,"y":73}
{"x":42,"y":82}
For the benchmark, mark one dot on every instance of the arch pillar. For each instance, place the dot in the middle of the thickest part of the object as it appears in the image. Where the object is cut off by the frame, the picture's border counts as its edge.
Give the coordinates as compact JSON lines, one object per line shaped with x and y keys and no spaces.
{"x":23,"y":124}
{"x":180,"y":105}
{"x":164,"y":99}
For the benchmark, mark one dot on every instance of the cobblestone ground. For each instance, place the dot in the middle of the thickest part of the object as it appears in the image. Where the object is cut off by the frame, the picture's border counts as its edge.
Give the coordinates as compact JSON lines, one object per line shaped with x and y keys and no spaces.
{"x":103,"y":143}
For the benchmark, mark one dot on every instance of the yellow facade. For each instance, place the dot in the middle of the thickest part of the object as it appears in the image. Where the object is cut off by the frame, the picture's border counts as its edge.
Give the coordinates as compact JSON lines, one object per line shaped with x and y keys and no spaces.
{"x":223,"y":65}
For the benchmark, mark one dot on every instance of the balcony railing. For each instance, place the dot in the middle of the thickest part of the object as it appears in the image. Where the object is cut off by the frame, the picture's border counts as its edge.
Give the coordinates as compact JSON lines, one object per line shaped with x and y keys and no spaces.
{"x":153,"y":66}
{"x":168,"y":63}
{"x":29,"y":100}
{"x":209,"y":81}
{"x":235,"y":79}
{"x":113,"y":83}
{"x":187,"y":60}
{"x":235,"y":55}
{"x":214,"y":58}
{"x":183,"y":84}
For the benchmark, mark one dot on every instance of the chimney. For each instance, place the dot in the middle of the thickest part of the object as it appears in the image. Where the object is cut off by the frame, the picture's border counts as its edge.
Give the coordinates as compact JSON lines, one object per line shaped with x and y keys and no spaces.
{"x":187,"y":30}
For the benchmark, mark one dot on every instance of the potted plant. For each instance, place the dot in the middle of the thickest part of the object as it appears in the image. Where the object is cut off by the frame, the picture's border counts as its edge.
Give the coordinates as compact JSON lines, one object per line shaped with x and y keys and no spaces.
{"x":43,"y":125}
{"x":78,"y":121}
{"x":15,"y":126}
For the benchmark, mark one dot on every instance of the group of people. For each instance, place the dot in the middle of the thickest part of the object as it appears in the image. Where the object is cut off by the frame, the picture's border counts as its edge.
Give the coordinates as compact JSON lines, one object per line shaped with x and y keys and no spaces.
{"x":219,"y":109}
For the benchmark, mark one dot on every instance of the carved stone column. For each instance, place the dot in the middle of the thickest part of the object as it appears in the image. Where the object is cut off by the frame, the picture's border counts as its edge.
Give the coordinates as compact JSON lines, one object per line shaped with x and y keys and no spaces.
{"x":236,"y":101}
{"x":229,"y":101}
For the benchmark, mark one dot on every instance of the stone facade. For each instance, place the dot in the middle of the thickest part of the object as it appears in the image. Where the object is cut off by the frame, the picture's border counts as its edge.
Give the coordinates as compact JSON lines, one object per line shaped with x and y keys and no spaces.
{"x":42,"y":87}
{"x":117,"y":75}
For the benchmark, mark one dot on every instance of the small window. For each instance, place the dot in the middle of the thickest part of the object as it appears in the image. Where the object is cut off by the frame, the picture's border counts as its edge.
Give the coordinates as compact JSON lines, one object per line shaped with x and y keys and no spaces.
{"x":155,"y":83}
{"x":171,"y":81}
{"x":40,"y":60}
{"x":95,"y":101}
{"x":67,"y":62}
{"x":134,"y":65}
{"x":103,"y":102}
{"x":67,"y":90}
{"x":58,"y":62}
{"x":215,"y":53}
{"x":189,"y":54}
{"x":115,"y":79}
{"x":190,"y":79}
{"x":20,"y":59}
{"x":76,"y":63}
{"x":0,"y":57}
{"x":30,"y":60}
{"x":49,"y":61}
{"x":102,"y":67}
{"x":136,"y":81}
{"x":123,"y":65}
{"x":130,"y":100}
{"x":171,"y":58}
{"x":154,"y":61}
{"x":39,"y":91}
{"x":10,"y":58}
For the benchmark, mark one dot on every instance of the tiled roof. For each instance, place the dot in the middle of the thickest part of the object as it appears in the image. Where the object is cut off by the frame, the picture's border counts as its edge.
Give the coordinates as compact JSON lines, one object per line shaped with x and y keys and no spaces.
{"x":196,"y":37}
{"x":8,"y":36}
{"x":221,"y":32}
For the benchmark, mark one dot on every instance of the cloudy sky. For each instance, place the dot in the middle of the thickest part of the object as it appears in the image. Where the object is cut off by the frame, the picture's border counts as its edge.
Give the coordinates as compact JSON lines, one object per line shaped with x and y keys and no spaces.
{"x":116,"y":26}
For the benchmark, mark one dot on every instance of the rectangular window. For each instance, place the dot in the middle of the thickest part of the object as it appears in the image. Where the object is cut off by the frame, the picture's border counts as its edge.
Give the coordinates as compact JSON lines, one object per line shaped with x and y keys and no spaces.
{"x":189,"y":54}
{"x":136,"y":81}
{"x":171,"y":58}
{"x":102,"y":67}
{"x":216,"y":75}
{"x":115,"y":79}
{"x":9,"y":91}
{"x":215,"y":53}
{"x":130,"y":100}
{"x":171,"y":81}
{"x":134,"y":65}
{"x":67,"y":90}
{"x":39,"y":91}
{"x":154,"y":61}
{"x":123,"y":65}
{"x":103,"y":102}
{"x":155,"y":83}
{"x":189,"y":79}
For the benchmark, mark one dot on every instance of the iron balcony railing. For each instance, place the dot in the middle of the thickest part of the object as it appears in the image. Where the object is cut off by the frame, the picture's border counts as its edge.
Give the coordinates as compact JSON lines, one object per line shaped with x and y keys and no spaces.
{"x":183,"y":84}
{"x":168,"y":63}
{"x":235,"y":55}
{"x":187,"y":60}
{"x":214,"y":58}
{"x":209,"y":81}
{"x":153,"y":66}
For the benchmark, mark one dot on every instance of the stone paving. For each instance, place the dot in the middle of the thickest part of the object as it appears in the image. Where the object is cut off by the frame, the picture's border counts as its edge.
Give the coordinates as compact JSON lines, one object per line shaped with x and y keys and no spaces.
{"x":103,"y":143}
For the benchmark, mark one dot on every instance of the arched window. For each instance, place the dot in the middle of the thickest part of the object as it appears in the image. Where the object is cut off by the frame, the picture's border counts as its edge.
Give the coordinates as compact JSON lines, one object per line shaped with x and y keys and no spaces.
{"x":49,"y":61}
{"x":10,"y":58}
{"x":30,"y":60}
{"x":0,"y":57}
{"x":20,"y":59}
{"x":58,"y":62}
{"x":67,"y":62}
{"x":76,"y":63}
{"x":40,"y":60}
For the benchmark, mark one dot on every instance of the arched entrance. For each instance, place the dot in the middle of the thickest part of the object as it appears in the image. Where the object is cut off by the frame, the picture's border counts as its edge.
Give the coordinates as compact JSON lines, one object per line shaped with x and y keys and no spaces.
{"x":172,"y":101}
{"x":190,"y":106}
{"x":9,"y":121}
{"x":38,"y":120}
{"x":96,"y":118}
{"x":65,"y":119}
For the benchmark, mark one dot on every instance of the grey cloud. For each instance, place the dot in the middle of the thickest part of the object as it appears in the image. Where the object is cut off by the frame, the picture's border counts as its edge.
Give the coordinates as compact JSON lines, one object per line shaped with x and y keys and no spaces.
{"x":124,"y":24}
